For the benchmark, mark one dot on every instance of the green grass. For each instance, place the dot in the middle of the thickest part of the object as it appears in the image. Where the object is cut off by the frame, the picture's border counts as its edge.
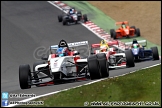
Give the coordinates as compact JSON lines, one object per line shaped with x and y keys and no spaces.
{"x":143,"y":85}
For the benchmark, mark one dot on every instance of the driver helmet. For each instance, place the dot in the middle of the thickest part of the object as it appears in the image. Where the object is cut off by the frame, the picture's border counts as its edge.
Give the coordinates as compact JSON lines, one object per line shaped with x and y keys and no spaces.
{"x":103,"y":48}
{"x":135,"y":41}
{"x":75,"y":51}
{"x":123,"y":25}
{"x":135,"y":46}
{"x":59,"y":50}
{"x":71,"y":11}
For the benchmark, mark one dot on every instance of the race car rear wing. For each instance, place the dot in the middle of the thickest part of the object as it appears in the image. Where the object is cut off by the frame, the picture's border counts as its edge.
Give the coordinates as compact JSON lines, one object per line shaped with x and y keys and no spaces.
{"x":125,"y":22}
{"x":142,"y":42}
{"x":110,"y":43}
{"x":74,"y":44}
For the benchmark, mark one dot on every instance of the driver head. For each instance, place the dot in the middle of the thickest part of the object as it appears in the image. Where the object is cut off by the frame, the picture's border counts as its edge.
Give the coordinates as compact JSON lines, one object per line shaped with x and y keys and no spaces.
{"x":135,"y":41}
{"x":103,"y":48}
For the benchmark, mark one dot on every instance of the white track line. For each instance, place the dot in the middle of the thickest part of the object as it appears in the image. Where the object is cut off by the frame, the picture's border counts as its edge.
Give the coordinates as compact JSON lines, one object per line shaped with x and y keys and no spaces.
{"x":33,"y":98}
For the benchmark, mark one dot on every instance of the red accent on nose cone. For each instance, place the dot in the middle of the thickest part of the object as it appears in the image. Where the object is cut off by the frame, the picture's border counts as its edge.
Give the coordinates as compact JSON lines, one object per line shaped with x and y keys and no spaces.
{"x":123,"y":63}
{"x":81,"y":78}
{"x":45,"y":84}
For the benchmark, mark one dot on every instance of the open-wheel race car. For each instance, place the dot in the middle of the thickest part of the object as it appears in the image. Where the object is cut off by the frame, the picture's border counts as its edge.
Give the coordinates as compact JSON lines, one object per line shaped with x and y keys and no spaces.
{"x":124,"y":30}
{"x":72,"y":17}
{"x":63,"y":63}
{"x":140,"y":52}
{"x":116,"y":58}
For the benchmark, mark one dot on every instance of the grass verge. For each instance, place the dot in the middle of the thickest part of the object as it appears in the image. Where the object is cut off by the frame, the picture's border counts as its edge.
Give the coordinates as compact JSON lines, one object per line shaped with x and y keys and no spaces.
{"x":143,"y":85}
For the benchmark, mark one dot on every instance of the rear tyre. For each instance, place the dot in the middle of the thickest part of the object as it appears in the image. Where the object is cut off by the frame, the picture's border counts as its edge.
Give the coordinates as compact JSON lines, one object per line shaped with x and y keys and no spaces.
{"x":133,"y":27}
{"x":114,"y":34}
{"x":25,"y":76}
{"x":111,"y":32}
{"x":155,"y":53}
{"x":129,"y":58}
{"x":34,"y":65}
{"x":60,"y":18}
{"x":138,"y":32}
{"x":93,"y":67}
{"x":79,"y":13}
{"x":103,"y":64}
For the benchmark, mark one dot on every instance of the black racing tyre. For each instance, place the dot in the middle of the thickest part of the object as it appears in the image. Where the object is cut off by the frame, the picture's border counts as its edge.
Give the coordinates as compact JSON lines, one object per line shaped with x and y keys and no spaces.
{"x":133,"y":27}
{"x":34,"y":65}
{"x":73,"y":8}
{"x":155,"y":53}
{"x":24,"y":76}
{"x":114,"y":34}
{"x":85,"y":18}
{"x":79,"y":13}
{"x":76,"y":22}
{"x":64,"y":22}
{"x":93,"y":67}
{"x":138,"y":32}
{"x":60,"y":18}
{"x":103,"y":64}
{"x":111,"y":32}
{"x":129,"y":58}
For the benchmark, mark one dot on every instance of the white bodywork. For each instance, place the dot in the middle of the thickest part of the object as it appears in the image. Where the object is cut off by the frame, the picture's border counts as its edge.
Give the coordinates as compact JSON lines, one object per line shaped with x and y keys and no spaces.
{"x":60,"y":64}
{"x":111,"y":56}
{"x":75,"y":17}
{"x":117,"y":54}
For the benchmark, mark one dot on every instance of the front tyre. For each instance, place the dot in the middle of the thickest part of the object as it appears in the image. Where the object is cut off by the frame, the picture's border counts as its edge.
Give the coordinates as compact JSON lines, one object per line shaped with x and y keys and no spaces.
{"x":25,"y":76}
{"x":155,"y":53}
{"x":64,"y":22}
{"x":103,"y":64}
{"x":85,"y":18}
{"x":129,"y":58}
{"x":93,"y":67}
{"x":60,"y":18}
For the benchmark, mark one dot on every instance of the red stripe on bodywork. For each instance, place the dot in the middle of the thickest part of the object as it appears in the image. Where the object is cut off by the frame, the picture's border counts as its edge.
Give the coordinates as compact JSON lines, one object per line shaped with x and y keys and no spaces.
{"x":45,"y":84}
{"x":123,"y":63}
{"x":81,"y":78}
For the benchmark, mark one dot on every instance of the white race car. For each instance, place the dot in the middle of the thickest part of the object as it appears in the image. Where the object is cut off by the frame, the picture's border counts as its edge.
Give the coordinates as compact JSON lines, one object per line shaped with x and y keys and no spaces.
{"x":70,"y":66}
{"x":115,"y":57}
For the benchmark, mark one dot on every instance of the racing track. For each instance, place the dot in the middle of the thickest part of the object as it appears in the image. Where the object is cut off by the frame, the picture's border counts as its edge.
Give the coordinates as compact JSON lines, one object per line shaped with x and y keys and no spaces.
{"x":27,"y":25}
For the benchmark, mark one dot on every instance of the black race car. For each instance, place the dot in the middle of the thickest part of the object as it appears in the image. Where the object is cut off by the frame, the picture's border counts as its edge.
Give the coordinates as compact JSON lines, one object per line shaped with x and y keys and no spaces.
{"x":72,"y":17}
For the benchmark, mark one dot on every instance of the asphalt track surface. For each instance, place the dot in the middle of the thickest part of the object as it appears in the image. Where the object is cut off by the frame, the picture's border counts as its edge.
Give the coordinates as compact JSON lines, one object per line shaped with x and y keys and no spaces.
{"x":28,"y":25}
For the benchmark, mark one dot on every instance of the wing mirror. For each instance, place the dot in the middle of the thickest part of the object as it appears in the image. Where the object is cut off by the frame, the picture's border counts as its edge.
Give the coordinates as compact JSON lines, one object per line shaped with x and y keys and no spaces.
{"x":44,"y":58}
{"x":92,"y":53}
{"x":143,"y":45}
{"x":76,"y":53}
